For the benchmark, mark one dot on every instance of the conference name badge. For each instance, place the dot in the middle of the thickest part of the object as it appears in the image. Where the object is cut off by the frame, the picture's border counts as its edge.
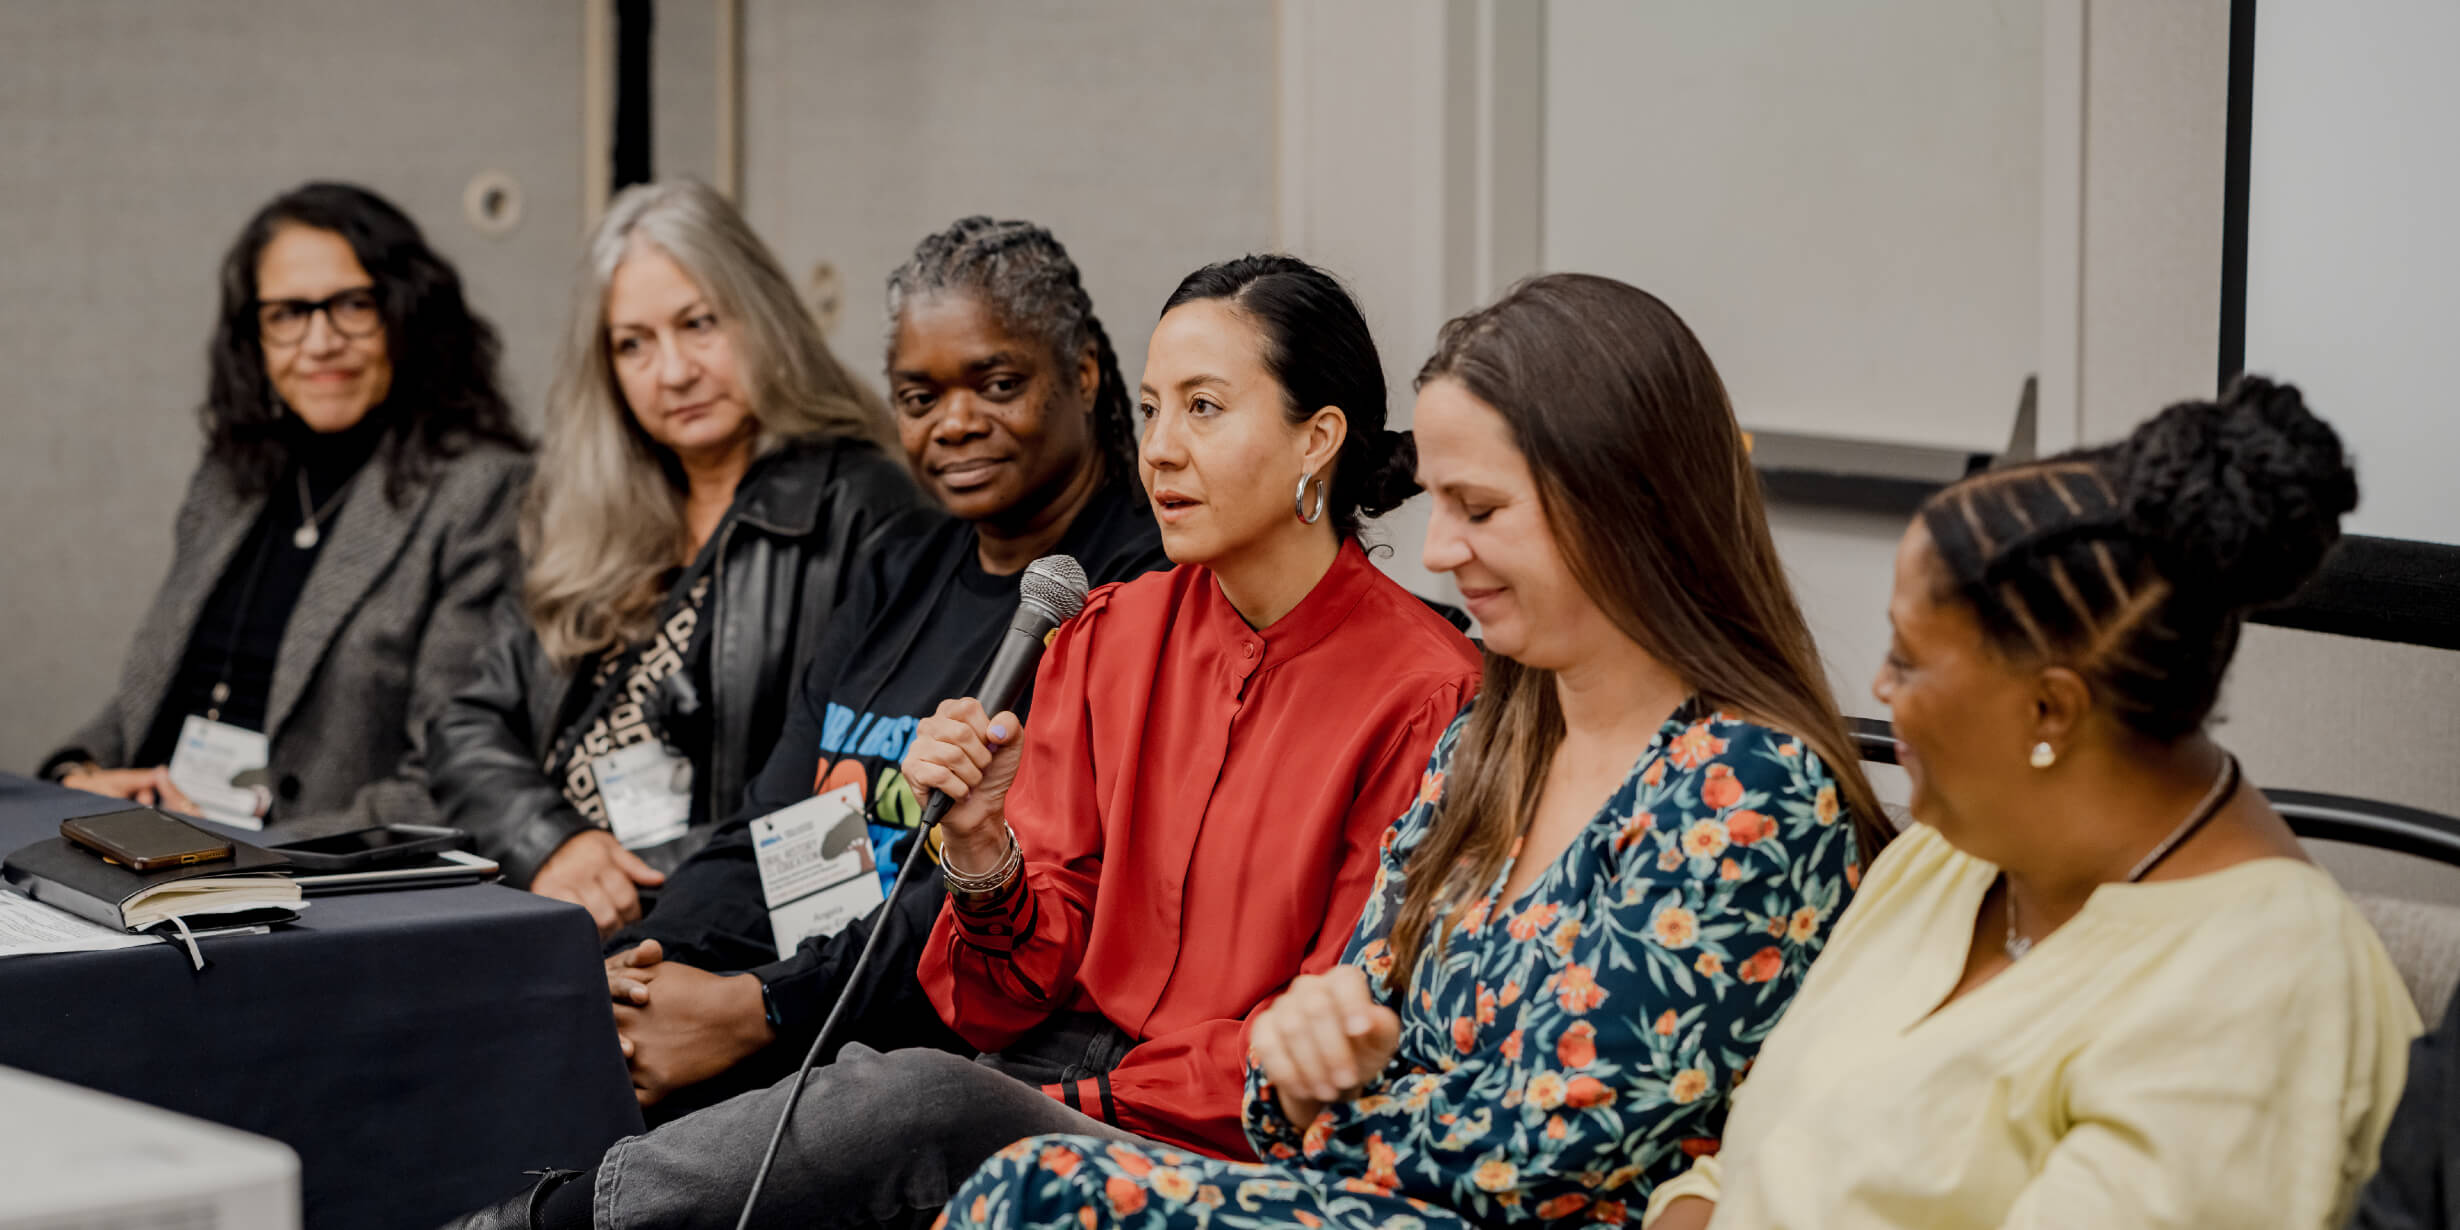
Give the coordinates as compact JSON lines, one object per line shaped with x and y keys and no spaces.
{"x":221,"y":768}
{"x":648,"y":793}
{"x":816,"y":870}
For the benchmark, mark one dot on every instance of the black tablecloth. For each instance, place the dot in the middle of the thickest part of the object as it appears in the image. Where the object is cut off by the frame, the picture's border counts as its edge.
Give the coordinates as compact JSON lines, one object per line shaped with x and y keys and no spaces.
{"x":419,"y":1049}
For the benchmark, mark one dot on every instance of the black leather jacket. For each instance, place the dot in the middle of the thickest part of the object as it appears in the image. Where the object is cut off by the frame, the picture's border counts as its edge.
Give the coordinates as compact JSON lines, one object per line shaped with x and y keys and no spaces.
{"x":801,"y":520}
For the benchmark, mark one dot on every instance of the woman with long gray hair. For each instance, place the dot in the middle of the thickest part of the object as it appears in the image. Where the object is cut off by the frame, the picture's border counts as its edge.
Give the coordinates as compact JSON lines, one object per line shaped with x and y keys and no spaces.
{"x":711,"y":478}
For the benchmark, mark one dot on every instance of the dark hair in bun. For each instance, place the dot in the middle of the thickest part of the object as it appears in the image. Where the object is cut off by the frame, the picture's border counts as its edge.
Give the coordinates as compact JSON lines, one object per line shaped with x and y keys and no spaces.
{"x":2137,"y":563}
{"x":1318,"y":349}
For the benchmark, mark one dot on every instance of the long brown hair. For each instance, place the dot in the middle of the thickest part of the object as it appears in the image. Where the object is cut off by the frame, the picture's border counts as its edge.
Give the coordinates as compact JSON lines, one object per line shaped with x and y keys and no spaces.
{"x":1644,"y":478}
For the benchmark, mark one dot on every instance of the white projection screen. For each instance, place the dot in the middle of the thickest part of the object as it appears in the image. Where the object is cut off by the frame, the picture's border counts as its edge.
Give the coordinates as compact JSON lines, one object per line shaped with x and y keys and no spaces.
{"x":2353,"y":240}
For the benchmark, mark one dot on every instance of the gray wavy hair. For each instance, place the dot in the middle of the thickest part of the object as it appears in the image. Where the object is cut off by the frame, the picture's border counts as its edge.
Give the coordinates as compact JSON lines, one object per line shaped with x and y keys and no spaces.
{"x":604,"y":518}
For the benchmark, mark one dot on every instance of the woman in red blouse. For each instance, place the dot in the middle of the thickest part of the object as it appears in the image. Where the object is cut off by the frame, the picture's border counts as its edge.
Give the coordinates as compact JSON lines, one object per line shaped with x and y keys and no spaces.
{"x":1192,"y":823}
{"x":1216,"y":750}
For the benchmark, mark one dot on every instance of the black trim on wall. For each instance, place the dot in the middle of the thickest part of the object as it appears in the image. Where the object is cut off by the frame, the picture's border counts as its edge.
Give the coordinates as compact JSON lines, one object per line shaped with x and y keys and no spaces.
{"x":2240,"y":143}
{"x":1870,"y":493}
{"x":1865,"y":475}
{"x":2383,"y":589}
{"x":634,"y":22}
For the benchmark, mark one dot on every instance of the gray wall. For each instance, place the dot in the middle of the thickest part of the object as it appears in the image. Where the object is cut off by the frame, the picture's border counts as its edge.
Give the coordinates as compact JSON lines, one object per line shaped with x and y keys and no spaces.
{"x":138,"y":137}
{"x":1843,"y":200}
{"x":1140,"y":134}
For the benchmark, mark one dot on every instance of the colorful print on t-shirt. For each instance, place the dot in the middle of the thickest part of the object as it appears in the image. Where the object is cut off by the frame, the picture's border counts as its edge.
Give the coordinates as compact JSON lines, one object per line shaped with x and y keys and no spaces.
{"x":852,"y":747}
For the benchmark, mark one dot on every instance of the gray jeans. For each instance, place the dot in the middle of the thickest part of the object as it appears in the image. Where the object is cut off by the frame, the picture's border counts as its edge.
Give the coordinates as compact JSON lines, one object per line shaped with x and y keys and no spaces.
{"x":878,"y":1140}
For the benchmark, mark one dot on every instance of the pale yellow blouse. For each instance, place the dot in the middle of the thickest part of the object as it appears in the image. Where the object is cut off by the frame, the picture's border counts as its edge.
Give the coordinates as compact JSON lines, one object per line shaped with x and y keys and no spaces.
{"x":2219,"y":1051}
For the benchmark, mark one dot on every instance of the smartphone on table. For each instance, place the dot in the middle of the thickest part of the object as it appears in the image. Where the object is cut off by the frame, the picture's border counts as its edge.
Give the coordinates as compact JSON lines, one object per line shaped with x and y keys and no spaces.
{"x":142,"y":839}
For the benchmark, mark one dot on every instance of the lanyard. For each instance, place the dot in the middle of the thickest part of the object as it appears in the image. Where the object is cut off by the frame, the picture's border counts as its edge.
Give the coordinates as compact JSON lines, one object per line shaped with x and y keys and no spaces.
{"x":619,"y":679}
{"x":221,"y":693}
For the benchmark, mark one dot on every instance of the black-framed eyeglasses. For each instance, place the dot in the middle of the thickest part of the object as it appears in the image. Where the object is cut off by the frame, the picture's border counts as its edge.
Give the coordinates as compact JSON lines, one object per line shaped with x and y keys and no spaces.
{"x":352,"y":313}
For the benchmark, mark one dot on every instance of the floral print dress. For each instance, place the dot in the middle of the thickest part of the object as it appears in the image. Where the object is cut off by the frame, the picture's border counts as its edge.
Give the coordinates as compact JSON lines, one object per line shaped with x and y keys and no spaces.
{"x":1559,"y":1056}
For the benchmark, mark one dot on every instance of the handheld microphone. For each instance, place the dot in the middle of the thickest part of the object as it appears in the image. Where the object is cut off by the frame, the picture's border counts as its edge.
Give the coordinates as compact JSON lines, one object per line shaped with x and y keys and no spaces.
{"x":1051,"y":593}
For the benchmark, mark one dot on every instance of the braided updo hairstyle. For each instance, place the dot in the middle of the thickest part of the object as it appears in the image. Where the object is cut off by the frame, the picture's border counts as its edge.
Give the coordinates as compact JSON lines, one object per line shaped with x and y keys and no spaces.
{"x":1318,"y":349}
{"x":2136,"y":564}
{"x":1021,"y":274}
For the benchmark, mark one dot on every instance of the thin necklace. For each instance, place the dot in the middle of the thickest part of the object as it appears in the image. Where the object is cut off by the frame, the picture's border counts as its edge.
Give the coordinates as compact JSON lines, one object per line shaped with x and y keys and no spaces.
{"x":2223,"y":785}
{"x":306,"y":536}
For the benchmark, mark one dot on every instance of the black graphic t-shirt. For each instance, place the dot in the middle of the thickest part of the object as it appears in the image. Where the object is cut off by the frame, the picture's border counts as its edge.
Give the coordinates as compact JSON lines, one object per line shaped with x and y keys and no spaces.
{"x":919,"y":627}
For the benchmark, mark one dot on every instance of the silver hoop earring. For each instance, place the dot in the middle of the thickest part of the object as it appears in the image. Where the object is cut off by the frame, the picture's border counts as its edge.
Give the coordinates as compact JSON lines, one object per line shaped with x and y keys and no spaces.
{"x":1299,"y":500}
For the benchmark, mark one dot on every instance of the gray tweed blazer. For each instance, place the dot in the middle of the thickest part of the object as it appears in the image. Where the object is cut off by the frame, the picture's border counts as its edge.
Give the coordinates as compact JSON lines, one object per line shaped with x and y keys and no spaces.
{"x":386,"y":630}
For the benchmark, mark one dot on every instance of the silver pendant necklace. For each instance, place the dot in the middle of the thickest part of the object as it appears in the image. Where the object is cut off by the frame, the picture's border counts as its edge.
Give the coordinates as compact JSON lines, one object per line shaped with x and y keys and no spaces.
{"x":307,"y":536}
{"x":2223,"y":786}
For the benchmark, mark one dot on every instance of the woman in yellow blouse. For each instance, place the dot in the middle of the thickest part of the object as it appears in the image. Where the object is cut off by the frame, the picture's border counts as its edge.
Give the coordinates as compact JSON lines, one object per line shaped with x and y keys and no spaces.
{"x":2099,"y":984}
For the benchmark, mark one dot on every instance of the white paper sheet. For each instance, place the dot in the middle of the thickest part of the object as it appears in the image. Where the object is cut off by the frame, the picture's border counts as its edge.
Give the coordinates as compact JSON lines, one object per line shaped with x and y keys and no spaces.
{"x":28,"y":926}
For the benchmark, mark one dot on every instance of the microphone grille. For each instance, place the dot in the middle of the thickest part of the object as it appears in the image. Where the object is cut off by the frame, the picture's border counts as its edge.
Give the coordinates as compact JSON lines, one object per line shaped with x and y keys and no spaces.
{"x":1055,"y":583}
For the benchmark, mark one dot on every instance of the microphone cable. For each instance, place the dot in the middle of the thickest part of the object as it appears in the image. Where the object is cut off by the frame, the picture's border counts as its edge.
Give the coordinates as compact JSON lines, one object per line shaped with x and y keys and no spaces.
{"x":845,"y":994}
{"x":1051,"y":593}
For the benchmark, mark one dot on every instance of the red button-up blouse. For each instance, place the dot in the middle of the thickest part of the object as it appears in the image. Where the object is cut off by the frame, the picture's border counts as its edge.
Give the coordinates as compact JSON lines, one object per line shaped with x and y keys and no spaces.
{"x":1199,"y":806}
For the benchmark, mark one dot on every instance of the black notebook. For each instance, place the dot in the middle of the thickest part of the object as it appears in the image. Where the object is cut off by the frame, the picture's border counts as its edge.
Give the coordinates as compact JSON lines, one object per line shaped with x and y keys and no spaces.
{"x":246,"y":888}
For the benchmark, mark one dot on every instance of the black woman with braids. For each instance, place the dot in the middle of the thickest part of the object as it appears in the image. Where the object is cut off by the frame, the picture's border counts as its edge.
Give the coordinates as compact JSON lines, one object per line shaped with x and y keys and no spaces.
{"x":2099,"y":984}
{"x":1008,"y":401}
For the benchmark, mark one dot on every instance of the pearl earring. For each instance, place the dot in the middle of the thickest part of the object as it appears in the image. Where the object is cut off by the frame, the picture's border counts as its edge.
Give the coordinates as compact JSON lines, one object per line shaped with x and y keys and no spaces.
{"x":2044,"y":755}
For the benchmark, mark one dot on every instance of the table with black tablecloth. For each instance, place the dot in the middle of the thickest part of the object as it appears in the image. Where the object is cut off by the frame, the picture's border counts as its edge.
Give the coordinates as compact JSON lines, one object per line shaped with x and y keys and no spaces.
{"x":418,"y":1048}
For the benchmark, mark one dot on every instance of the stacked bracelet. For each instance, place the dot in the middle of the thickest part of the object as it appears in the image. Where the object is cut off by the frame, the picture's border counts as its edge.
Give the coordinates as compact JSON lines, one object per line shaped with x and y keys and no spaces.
{"x":989,"y":882}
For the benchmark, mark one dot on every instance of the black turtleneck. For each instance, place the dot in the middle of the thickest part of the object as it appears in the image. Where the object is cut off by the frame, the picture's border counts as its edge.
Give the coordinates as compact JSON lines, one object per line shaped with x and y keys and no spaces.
{"x":238,"y":634}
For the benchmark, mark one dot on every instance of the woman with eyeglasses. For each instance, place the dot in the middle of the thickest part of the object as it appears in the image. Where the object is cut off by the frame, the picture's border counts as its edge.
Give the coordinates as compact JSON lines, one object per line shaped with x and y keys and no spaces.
{"x":338,"y":548}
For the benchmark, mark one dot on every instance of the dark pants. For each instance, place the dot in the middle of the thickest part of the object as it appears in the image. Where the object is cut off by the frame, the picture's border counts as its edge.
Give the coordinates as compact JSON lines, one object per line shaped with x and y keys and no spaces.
{"x":2418,"y":1186}
{"x":877,"y":1140}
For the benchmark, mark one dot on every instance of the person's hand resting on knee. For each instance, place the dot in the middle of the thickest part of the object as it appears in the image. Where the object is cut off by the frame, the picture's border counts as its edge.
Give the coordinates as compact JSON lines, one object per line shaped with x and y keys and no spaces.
{"x":679,"y":1024}
{"x":593,"y":870}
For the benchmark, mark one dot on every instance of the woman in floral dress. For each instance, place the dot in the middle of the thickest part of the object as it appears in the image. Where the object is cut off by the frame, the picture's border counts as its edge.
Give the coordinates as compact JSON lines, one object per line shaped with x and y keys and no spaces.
{"x":1625,"y":853}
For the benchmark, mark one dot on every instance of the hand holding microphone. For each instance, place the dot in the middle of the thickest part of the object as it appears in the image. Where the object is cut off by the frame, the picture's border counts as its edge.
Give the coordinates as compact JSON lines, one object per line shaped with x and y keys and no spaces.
{"x":963,"y":758}
{"x":967,"y":758}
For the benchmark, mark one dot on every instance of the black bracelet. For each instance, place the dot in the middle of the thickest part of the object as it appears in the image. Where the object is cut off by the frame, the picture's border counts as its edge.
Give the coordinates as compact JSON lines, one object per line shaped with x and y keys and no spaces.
{"x":60,"y":771}
{"x":768,"y":1007}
